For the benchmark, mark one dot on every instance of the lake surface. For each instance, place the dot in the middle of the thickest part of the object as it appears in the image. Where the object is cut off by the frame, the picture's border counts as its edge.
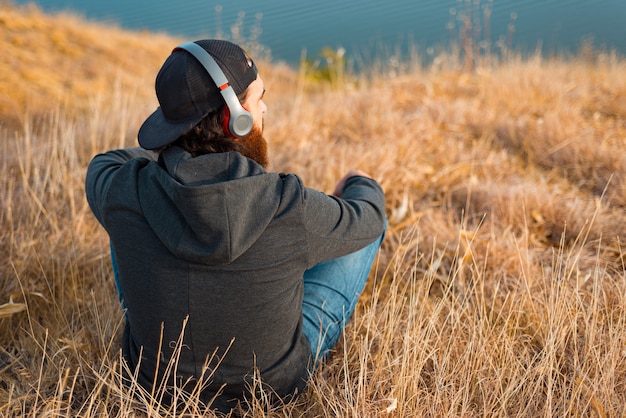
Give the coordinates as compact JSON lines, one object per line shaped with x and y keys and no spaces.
{"x":370,"y":28}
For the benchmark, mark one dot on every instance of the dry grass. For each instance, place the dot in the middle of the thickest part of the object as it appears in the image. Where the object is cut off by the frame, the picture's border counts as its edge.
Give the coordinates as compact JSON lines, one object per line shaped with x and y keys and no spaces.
{"x":500,"y":289}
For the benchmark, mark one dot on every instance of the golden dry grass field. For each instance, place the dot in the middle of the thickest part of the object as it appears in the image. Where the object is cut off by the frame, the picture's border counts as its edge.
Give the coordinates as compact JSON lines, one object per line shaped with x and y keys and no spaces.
{"x":500,"y":289}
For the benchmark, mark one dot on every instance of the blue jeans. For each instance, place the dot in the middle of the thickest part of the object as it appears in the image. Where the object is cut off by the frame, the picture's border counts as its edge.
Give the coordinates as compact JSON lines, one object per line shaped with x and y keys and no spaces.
{"x":331,"y":291}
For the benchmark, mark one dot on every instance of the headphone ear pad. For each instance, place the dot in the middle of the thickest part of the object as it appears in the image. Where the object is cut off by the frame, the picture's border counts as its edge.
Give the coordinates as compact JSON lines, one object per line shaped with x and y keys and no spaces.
{"x":226,"y":122}
{"x":240,"y":123}
{"x":237,"y":125}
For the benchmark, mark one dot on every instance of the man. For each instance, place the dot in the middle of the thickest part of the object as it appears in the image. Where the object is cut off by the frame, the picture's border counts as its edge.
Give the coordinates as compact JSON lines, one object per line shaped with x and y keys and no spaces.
{"x":223,"y":267}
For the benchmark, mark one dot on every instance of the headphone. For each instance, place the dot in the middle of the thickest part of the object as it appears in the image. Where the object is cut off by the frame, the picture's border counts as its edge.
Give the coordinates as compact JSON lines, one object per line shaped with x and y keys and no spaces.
{"x":237,"y":120}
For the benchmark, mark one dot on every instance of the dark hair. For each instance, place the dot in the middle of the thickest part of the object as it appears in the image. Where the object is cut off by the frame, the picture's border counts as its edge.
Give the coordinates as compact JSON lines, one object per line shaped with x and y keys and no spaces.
{"x":208,"y":135}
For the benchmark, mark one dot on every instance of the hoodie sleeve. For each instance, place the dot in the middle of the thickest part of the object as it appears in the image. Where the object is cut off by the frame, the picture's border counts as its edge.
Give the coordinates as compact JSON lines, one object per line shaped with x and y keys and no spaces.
{"x":339,"y":226}
{"x":101,"y":172}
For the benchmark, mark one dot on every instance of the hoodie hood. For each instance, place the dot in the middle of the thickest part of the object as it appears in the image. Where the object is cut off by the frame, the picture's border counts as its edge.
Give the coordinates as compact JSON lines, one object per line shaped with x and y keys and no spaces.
{"x":212,"y":208}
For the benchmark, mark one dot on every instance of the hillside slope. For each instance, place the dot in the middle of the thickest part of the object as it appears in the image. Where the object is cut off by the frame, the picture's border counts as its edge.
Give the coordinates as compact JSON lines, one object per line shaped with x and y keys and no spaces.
{"x":62,"y":59}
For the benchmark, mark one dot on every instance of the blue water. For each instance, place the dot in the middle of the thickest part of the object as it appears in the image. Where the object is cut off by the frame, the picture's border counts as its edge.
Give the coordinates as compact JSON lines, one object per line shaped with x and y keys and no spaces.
{"x":370,"y":28}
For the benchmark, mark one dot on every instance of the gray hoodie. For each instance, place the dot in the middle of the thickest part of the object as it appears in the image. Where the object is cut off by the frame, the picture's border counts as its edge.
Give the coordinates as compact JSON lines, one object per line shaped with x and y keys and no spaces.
{"x":218,"y":245}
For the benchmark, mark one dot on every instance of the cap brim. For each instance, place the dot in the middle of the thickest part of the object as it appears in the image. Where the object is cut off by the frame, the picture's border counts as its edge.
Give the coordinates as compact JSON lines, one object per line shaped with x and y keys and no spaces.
{"x":157,"y":131}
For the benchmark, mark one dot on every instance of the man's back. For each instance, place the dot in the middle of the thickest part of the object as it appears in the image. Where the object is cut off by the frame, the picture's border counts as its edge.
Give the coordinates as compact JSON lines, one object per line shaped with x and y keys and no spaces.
{"x":219,"y":244}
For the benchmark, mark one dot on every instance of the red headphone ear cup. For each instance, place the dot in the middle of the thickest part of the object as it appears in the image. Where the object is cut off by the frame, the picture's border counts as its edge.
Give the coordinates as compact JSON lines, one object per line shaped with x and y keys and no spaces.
{"x":226,"y":122}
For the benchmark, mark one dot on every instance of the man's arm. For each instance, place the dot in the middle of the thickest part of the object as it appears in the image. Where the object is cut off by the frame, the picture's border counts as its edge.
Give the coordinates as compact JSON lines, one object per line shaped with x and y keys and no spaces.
{"x":336,"y":225}
{"x":342,"y":182}
{"x":101,"y":171}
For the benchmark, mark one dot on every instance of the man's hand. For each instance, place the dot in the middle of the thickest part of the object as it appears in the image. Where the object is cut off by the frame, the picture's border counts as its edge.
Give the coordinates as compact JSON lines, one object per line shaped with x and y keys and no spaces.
{"x":342,"y":182}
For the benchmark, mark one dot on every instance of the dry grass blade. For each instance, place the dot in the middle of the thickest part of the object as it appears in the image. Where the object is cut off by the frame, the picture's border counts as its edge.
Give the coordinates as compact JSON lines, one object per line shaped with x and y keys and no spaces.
{"x":11,"y":308}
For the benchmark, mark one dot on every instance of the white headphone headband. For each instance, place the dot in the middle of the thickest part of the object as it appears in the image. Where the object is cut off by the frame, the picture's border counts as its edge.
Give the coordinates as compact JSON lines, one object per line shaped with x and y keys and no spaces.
{"x":240,"y":122}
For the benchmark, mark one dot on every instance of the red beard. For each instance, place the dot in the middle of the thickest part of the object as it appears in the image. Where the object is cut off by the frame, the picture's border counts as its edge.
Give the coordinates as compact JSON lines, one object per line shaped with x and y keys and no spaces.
{"x":254,"y":146}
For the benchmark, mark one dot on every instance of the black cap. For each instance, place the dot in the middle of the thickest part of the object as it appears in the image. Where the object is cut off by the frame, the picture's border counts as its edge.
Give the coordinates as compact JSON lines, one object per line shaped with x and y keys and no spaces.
{"x":186,"y":92}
